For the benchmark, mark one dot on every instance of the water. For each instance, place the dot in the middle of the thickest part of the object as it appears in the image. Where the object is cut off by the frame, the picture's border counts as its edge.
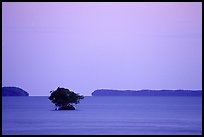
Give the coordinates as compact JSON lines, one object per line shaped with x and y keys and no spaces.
{"x":95,"y":115}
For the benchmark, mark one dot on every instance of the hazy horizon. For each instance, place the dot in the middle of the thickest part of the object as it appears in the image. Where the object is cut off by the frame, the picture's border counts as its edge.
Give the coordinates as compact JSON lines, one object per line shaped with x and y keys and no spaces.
{"x":119,"y":90}
{"x":94,"y":45}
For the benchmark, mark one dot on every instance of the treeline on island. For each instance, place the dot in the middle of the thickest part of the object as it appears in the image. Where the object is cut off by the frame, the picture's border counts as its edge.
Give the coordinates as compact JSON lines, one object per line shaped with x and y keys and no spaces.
{"x":146,"y":92}
{"x":16,"y":91}
{"x":13,"y":91}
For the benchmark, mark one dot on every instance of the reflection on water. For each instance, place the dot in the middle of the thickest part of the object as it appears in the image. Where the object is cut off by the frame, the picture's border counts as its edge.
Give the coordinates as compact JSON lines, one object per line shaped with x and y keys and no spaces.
{"x":104,"y":115}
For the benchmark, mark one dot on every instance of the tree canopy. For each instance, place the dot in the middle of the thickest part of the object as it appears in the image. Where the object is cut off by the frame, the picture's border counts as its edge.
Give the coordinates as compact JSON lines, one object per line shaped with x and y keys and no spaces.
{"x":64,"y":98}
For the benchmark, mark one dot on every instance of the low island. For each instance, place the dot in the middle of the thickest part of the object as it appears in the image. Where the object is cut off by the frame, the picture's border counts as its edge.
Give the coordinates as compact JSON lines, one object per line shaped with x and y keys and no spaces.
{"x":13,"y":91}
{"x":146,"y":92}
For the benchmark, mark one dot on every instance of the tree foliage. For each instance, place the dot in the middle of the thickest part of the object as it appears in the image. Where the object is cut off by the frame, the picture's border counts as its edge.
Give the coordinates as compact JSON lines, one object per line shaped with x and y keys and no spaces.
{"x":64,"y":98}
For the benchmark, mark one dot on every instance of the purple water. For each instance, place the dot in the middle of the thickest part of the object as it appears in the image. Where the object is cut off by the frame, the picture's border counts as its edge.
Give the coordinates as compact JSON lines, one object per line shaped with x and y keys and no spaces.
{"x":169,"y":115}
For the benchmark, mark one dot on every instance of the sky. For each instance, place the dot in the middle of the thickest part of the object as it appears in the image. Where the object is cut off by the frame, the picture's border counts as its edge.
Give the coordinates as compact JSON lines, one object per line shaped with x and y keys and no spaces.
{"x":88,"y":46}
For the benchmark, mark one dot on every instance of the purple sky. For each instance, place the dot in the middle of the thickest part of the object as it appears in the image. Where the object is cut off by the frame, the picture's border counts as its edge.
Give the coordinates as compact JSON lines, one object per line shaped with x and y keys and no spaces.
{"x":88,"y":46}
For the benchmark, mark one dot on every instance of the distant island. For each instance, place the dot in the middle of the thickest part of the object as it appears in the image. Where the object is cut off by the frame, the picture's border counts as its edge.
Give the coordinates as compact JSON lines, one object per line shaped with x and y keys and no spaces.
{"x":13,"y":91}
{"x":146,"y":92}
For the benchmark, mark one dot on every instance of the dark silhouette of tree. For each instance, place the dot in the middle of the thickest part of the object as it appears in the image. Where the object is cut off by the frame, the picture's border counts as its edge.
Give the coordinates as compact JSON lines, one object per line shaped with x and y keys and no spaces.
{"x":64,"y":98}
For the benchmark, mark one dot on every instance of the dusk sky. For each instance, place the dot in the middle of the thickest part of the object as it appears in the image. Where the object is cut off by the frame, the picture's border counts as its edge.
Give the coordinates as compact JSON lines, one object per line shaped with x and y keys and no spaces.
{"x":89,"y":46}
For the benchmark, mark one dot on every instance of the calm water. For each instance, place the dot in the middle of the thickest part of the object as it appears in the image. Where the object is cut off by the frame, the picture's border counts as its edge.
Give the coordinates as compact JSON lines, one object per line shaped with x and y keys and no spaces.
{"x":104,"y":115}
